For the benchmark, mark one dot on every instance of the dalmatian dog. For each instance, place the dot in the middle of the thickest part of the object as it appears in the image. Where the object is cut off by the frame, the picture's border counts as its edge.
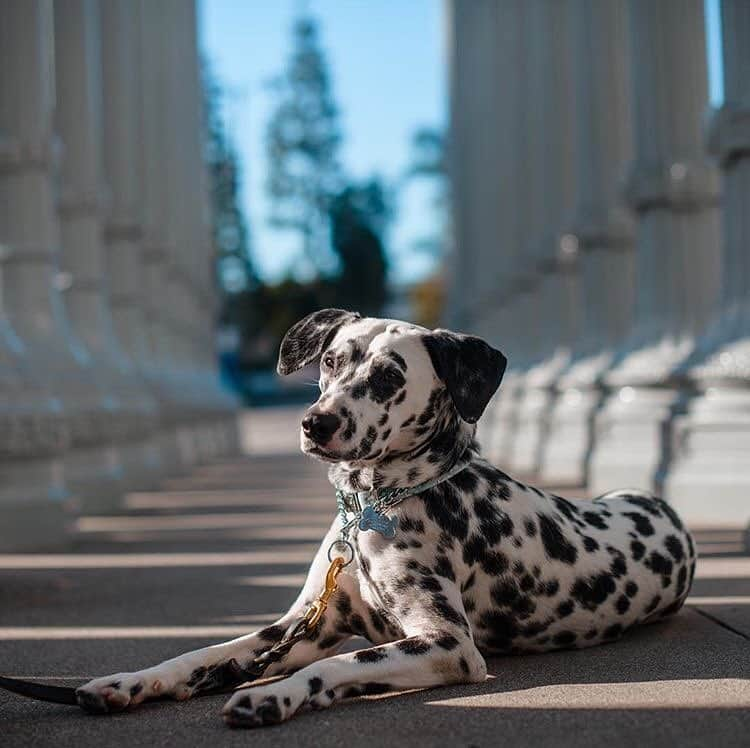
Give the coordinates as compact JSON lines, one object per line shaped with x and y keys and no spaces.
{"x":480,"y":563}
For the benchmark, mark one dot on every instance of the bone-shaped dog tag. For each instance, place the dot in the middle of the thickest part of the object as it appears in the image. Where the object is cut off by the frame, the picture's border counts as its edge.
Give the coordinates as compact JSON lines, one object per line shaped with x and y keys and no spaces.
{"x":373,"y":520}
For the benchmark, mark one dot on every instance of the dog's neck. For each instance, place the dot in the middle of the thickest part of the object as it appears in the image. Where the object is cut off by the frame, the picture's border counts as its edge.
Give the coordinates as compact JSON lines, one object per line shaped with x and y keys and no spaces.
{"x":450,"y":442}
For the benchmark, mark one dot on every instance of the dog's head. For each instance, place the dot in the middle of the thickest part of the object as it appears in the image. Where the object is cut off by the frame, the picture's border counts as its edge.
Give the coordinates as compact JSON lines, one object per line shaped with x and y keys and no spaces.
{"x":384,"y":384}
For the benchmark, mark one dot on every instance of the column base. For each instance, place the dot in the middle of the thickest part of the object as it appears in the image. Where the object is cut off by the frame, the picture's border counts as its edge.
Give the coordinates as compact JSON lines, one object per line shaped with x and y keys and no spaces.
{"x":708,"y":480}
{"x":95,"y":478}
{"x":35,"y":507}
{"x":628,"y":438}
{"x":141,"y":463}
{"x":564,"y":458}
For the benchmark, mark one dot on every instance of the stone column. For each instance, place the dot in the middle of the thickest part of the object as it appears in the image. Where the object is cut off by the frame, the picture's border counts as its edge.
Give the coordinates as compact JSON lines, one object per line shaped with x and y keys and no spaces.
{"x":550,"y":129}
{"x":709,"y":479}
{"x":83,"y":261}
{"x":673,"y":190}
{"x":33,"y":427}
{"x":515,"y":281}
{"x":160,"y":300}
{"x":599,"y":233}
{"x":122,"y":234}
{"x":217,"y":433}
{"x":32,"y":304}
{"x":485,"y":57}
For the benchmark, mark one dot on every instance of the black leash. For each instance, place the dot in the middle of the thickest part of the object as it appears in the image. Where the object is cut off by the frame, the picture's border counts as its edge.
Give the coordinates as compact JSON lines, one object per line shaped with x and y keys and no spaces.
{"x":232,"y":672}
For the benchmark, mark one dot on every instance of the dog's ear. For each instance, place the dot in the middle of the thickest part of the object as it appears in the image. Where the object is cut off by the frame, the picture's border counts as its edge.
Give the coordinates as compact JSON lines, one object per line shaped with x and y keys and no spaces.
{"x":305,"y":341}
{"x":470,"y":369}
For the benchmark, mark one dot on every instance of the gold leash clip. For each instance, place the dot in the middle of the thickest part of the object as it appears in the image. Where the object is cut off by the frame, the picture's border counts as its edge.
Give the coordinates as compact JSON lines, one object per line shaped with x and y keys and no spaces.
{"x":318,"y":606}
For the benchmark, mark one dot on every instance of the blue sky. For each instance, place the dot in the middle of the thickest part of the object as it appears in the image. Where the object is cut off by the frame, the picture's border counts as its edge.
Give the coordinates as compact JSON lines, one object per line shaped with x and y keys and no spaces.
{"x":388,"y":66}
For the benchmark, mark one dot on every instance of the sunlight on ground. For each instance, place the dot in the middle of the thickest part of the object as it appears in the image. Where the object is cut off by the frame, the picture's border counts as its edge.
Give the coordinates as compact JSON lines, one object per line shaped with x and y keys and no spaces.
{"x":662,"y":694}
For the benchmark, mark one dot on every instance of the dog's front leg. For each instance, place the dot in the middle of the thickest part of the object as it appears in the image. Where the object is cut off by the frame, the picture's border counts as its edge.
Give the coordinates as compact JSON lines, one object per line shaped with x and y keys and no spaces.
{"x":213,"y":668}
{"x":436,"y":652}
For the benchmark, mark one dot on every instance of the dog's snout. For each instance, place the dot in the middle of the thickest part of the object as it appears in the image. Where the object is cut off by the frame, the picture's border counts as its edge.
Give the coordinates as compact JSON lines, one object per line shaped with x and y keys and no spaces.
{"x":320,"y":427}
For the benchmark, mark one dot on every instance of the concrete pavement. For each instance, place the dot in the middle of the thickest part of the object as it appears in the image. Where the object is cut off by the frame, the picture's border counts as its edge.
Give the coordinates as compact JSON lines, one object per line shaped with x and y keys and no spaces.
{"x":222,"y":551}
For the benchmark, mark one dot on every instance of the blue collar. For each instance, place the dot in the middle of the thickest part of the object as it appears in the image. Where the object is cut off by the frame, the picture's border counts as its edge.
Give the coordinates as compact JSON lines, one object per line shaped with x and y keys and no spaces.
{"x":367,"y":508}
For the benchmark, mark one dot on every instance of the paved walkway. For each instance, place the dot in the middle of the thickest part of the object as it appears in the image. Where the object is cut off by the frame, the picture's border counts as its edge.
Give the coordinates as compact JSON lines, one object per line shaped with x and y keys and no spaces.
{"x":223,"y":550}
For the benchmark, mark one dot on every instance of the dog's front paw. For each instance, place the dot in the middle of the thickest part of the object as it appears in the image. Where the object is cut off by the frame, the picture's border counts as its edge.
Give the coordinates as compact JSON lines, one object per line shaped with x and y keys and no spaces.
{"x":265,"y":705}
{"x":117,"y":692}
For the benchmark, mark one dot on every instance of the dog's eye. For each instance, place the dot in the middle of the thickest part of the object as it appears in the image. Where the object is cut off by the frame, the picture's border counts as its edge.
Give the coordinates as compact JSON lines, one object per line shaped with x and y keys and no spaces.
{"x":329,"y":361}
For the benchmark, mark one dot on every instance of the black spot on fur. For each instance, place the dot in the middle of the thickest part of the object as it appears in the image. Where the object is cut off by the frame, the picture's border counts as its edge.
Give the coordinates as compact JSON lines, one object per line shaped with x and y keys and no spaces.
{"x":674,"y":547}
{"x":430,"y":583}
{"x":622,"y":604}
{"x":502,"y":628}
{"x":642,"y":523}
{"x":443,"y":568}
{"x":407,"y":524}
{"x":590,"y":544}
{"x":671,"y":514}
{"x":592,"y":592}
{"x":370,"y":655}
{"x":564,"y":638}
{"x":271,"y":633}
{"x":556,"y":545}
{"x":268,"y":711}
{"x":631,"y":589}
{"x":618,"y":567}
{"x":638,"y":549}
{"x":565,"y":608}
{"x":447,"y":641}
{"x":648,"y":505}
{"x":414,"y":646}
{"x":661,"y":566}
{"x":314,"y":685}
{"x":595,"y":520}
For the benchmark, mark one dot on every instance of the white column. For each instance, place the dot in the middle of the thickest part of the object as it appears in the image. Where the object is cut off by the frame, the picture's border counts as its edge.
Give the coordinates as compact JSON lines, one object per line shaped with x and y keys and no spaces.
{"x":122,"y":234}
{"x":31,"y":282}
{"x":513,"y":288}
{"x":709,"y":479}
{"x":33,"y":429}
{"x":599,"y":234}
{"x":159,"y":287}
{"x":485,"y":62}
{"x":83,"y":260}
{"x":550,"y":129}
{"x":673,"y":190}
{"x":217,"y":434}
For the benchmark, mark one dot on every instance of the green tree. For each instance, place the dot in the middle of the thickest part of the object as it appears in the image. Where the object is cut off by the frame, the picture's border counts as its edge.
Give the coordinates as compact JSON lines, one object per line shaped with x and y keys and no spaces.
{"x":302,"y":142}
{"x":359,"y":218}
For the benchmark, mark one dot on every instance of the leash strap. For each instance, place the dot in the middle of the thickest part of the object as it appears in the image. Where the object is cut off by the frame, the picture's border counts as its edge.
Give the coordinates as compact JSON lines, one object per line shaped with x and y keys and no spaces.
{"x":296,"y":632}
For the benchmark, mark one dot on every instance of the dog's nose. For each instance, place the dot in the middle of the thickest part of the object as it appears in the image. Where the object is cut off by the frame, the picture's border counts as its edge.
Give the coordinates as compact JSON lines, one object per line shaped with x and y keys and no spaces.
{"x":320,"y":427}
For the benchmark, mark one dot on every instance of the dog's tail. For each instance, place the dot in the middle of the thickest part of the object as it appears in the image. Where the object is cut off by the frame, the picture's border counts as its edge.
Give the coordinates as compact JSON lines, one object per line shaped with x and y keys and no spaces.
{"x":40,"y":691}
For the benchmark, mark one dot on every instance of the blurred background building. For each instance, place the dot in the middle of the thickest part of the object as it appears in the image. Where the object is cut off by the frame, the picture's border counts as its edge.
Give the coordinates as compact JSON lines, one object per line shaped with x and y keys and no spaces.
{"x":181,"y":181}
{"x":602,"y":240}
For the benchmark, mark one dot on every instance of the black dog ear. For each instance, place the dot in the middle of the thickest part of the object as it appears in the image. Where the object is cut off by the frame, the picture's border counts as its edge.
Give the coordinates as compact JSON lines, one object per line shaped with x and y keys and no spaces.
{"x":305,"y":341}
{"x":470,"y":369}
